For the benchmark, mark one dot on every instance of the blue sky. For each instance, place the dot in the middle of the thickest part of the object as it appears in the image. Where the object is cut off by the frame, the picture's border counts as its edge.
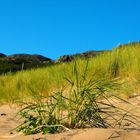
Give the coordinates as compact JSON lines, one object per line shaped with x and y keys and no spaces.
{"x":56,"y":27}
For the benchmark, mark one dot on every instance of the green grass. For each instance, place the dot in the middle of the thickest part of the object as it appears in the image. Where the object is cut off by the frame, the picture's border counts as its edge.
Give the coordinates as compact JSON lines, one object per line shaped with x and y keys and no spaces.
{"x":82,"y":103}
{"x":122,"y":63}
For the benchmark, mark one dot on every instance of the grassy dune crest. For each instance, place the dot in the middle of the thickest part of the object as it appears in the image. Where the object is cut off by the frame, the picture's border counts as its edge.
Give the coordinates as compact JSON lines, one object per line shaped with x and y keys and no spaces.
{"x":122,"y":63}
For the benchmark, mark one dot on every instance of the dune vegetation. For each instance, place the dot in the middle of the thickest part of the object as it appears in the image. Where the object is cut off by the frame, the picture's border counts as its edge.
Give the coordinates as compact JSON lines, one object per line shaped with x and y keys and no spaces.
{"x":75,"y":94}
{"x":121,"y":64}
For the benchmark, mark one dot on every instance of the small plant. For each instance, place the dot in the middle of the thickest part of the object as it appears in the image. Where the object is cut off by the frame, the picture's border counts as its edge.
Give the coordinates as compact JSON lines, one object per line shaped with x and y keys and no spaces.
{"x":38,"y":116}
{"x":83,"y":103}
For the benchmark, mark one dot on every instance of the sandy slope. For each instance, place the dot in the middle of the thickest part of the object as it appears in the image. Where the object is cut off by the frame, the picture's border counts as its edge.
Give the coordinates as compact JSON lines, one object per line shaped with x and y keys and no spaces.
{"x":8,"y":121}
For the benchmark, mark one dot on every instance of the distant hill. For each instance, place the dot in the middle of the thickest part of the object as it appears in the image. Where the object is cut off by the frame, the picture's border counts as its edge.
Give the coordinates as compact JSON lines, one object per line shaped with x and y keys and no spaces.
{"x":18,"y":62}
{"x":84,"y":55}
{"x":2,"y":55}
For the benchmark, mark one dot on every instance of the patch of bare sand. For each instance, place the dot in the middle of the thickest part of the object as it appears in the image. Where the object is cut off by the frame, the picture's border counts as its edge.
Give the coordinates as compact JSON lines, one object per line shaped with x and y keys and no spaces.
{"x":8,"y":122}
{"x":87,"y":134}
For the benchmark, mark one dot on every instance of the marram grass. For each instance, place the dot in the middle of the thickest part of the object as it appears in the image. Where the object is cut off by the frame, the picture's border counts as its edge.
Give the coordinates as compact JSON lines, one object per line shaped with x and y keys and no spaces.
{"x":82,"y":103}
{"x":122,"y":63}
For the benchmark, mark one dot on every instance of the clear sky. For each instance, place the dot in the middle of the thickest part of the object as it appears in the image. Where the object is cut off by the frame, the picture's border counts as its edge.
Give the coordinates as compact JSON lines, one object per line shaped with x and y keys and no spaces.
{"x":56,"y":27}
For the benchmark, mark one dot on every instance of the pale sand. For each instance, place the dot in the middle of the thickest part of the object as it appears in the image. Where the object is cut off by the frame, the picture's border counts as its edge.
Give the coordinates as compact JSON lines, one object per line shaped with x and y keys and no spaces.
{"x":8,"y":121}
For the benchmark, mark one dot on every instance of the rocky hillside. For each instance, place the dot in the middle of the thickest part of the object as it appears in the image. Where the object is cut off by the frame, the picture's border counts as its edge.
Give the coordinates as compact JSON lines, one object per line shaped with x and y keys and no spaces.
{"x":84,"y":55}
{"x":17,"y":62}
{"x":2,"y":55}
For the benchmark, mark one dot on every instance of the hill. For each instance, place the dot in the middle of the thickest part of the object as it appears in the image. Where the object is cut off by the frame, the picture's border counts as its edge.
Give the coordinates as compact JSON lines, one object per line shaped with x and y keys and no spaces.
{"x":122,"y":63}
{"x":18,"y":62}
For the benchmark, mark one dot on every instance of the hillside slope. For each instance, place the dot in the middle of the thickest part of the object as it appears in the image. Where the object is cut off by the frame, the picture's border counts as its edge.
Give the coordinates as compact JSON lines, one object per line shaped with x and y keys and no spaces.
{"x":17,"y":62}
{"x":121,"y":64}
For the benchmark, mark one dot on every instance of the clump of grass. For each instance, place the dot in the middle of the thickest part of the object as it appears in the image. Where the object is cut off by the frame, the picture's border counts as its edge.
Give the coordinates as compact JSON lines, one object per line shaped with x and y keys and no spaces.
{"x":82,"y":103}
